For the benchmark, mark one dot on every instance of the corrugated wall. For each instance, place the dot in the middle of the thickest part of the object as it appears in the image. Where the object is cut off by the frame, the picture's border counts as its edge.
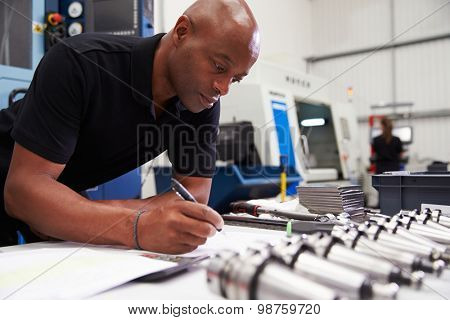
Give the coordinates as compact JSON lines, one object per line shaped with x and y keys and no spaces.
{"x":421,"y":73}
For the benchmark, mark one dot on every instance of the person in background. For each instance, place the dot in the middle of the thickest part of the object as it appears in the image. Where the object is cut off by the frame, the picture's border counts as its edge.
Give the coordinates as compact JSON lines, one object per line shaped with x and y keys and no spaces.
{"x":388,"y":149}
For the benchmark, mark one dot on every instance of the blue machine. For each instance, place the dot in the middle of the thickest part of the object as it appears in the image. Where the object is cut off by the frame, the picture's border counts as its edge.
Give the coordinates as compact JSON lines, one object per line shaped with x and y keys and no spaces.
{"x":245,"y":177}
{"x":232,"y":183}
{"x":286,"y":148}
{"x":17,"y":63}
{"x":121,"y":17}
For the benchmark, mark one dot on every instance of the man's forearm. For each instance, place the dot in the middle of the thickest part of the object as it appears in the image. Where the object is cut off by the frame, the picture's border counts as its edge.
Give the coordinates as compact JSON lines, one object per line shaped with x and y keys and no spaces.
{"x":142,"y":204}
{"x":133,"y":204}
{"x":55,"y":210}
{"x":198,"y":189}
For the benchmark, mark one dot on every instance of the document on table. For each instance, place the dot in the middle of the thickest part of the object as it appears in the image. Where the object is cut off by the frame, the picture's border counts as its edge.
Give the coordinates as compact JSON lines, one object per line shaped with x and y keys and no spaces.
{"x":69,"y":273}
{"x":236,"y":239}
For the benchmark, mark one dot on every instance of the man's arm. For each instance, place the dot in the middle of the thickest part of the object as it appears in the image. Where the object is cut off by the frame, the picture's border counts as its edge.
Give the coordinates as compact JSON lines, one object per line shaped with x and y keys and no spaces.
{"x":199,"y":187}
{"x":33,"y":195}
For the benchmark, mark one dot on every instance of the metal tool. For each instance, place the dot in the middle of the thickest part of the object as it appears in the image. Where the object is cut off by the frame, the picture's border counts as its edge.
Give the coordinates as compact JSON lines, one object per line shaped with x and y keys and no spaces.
{"x":358,"y":241}
{"x":425,"y":218}
{"x":332,"y":249}
{"x":254,"y":275}
{"x":256,"y":210}
{"x":300,"y":256}
{"x":394,"y":226}
{"x":402,"y":224}
{"x":312,"y":226}
{"x":405,"y":242}
{"x":439,"y":217}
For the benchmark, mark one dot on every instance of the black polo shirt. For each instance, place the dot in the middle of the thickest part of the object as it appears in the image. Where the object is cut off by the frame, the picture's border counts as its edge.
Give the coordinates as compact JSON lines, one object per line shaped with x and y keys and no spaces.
{"x":387,"y":154}
{"x":90,"y":107}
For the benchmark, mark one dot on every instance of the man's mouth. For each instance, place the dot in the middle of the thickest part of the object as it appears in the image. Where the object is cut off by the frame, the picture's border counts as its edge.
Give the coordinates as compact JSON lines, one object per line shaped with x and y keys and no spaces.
{"x":207,"y":101}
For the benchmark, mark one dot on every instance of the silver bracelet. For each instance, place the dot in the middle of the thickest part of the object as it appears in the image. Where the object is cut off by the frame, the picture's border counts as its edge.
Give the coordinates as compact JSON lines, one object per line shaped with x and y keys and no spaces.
{"x":135,"y":235}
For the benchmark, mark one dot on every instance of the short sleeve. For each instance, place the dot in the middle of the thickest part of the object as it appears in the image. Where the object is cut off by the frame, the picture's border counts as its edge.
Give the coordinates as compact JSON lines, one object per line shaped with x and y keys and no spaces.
{"x":49,"y":118}
{"x":193,"y":151}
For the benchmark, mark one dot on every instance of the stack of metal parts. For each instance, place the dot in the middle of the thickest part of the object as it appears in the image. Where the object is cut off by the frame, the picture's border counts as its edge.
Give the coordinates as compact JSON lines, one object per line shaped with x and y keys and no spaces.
{"x":325,"y":198}
{"x":377,"y":259}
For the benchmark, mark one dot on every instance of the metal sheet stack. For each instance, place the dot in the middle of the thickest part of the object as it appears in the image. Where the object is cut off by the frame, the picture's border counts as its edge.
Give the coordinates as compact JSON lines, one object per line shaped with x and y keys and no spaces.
{"x":327,"y":198}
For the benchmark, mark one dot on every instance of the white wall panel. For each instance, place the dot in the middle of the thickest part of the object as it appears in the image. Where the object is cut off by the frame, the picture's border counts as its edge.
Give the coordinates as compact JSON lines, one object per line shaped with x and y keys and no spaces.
{"x":422,"y":71}
{"x":409,"y":12}
{"x":285,"y":27}
{"x":370,"y":79}
{"x":430,"y":142}
{"x":424,"y":75}
{"x":349,"y":24}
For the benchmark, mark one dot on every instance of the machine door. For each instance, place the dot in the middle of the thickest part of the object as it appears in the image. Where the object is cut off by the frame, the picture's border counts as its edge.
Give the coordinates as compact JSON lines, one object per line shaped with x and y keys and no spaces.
{"x":317,"y":127}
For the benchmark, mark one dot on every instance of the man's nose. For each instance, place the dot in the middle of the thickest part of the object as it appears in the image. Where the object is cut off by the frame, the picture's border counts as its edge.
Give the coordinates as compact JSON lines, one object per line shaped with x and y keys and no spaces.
{"x":222,"y":85}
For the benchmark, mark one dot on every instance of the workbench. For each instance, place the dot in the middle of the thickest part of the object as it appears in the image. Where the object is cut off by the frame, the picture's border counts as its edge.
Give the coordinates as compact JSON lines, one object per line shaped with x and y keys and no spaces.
{"x":180,"y":286}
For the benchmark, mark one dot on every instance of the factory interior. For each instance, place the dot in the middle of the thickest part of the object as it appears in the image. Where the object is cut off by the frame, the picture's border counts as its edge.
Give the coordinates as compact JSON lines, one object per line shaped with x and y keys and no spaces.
{"x":317,"y":170}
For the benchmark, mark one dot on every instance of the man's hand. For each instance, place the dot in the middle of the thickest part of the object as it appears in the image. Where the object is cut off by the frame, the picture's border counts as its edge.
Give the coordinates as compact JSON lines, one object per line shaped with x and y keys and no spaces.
{"x":177,"y":228}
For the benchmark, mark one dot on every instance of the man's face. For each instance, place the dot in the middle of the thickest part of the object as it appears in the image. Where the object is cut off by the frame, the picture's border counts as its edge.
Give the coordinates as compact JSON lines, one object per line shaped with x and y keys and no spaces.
{"x":204,"y":66}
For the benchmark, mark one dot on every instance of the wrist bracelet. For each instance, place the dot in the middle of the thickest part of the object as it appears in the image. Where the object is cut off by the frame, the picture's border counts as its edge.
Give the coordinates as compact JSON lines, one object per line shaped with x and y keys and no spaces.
{"x":135,"y":226}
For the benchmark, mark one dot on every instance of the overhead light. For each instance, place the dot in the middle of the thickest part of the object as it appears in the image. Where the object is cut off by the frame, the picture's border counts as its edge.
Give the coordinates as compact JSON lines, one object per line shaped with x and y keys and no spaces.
{"x":316,"y":122}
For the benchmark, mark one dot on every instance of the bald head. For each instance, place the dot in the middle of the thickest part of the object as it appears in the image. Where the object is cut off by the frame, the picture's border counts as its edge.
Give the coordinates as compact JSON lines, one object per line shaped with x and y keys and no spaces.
{"x":225,"y":18}
{"x":225,"y":13}
{"x":213,"y":44}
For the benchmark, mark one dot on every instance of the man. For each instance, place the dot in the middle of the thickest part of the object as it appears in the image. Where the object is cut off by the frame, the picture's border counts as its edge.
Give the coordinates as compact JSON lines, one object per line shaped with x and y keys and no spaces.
{"x":96,"y":109}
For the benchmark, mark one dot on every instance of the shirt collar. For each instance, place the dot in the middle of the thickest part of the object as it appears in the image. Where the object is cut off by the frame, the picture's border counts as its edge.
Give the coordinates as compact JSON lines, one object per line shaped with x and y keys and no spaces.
{"x":142,"y":56}
{"x":174,"y":107}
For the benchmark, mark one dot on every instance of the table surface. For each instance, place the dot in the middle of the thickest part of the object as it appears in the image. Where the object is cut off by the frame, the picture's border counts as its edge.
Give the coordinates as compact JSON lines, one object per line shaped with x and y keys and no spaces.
{"x":176,"y":288}
{"x":192,"y":285}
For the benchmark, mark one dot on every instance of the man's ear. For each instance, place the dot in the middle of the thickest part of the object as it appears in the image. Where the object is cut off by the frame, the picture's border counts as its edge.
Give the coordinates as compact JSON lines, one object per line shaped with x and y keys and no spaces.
{"x":182,"y":29}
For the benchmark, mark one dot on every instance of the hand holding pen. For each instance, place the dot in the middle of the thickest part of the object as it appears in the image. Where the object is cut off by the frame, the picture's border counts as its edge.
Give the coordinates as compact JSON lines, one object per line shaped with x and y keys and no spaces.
{"x":184,"y":194}
{"x":174,"y":227}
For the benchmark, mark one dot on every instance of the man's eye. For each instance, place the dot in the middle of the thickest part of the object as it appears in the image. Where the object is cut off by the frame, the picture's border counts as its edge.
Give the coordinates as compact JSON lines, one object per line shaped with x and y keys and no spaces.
{"x":219,"y":68}
{"x":236,"y":80}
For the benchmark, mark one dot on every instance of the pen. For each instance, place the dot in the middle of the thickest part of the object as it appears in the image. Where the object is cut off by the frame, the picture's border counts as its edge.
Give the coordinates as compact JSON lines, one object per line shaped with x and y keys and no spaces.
{"x":184,"y":194}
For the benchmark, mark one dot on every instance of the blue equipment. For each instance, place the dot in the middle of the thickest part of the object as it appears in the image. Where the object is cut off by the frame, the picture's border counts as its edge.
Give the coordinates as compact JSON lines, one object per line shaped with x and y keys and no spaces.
{"x":28,"y":28}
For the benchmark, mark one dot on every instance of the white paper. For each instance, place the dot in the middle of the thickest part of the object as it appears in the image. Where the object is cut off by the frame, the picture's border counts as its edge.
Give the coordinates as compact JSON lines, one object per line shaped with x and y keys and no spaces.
{"x":237,"y":239}
{"x":67,"y":273}
{"x":292,"y":205}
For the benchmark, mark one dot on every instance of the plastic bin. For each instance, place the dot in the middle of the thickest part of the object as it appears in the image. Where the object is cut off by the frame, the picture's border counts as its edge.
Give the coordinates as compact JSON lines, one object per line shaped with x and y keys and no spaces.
{"x":409,"y":191}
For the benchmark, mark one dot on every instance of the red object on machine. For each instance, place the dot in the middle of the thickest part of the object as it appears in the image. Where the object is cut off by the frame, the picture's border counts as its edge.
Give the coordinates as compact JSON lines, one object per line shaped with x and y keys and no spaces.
{"x":55,"y":18}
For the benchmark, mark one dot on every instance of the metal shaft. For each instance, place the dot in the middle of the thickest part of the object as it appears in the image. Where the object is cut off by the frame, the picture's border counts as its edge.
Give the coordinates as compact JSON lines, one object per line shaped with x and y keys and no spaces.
{"x":358,"y":241}
{"x":381,"y":236}
{"x":329,"y":247}
{"x":397,"y":227}
{"x":255,"y":276}
{"x":425,"y":230}
{"x":427,"y":219}
{"x":355,"y":284}
{"x":279,"y":282}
